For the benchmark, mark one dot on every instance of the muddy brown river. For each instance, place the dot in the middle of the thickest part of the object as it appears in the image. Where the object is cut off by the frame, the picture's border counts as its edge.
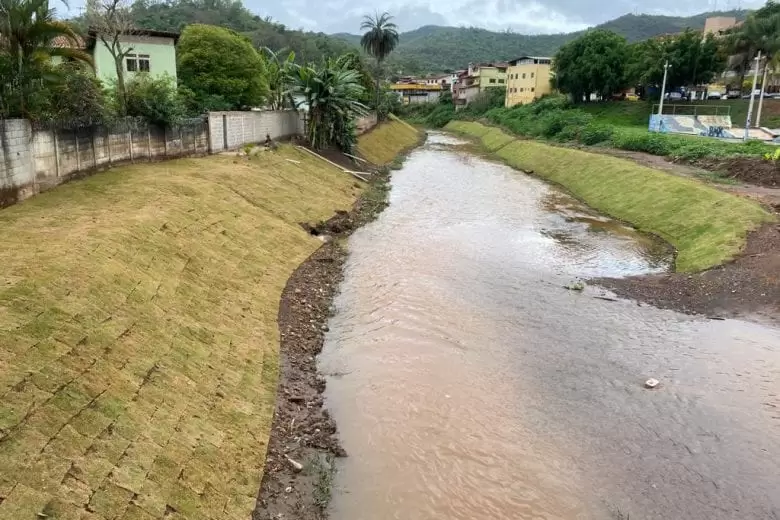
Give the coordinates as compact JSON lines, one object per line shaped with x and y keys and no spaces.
{"x":468,"y":383}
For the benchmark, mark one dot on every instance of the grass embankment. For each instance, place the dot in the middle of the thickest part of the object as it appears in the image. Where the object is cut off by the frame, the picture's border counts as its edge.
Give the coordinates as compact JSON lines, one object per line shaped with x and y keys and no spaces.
{"x":621,"y":125}
{"x":138,"y":334}
{"x":383,"y":143}
{"x":705,"y":225}
{"x":637,"y":113}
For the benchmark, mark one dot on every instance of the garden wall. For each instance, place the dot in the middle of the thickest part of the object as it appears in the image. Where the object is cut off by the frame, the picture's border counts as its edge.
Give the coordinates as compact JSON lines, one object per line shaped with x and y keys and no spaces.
{"x":33,"y":160}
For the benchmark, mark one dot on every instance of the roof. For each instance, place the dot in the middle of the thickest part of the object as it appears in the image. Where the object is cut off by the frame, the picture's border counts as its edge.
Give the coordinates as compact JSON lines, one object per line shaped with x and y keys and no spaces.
{"x":63,"y":42}
{"x":144,"y":32}
{"x":496,"y":64}
{"x":514,"y":61}
{"x":414,"y":86}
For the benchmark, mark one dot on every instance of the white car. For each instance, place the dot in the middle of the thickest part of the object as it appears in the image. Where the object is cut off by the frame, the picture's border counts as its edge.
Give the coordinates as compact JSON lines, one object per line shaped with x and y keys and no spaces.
{"x":714,"y":94}
{"x":674,"y":96}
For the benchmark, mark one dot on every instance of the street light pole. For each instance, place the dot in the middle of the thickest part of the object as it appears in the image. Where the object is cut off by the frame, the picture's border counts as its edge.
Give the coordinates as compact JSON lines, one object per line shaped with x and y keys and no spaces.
{"x":761,"y":97}
{"x":663,"y":89}
{"x":752,"y":97}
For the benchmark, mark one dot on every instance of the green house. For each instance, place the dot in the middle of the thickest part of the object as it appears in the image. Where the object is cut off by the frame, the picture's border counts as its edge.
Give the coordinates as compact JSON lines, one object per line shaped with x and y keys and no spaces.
{"x":152,"y":52}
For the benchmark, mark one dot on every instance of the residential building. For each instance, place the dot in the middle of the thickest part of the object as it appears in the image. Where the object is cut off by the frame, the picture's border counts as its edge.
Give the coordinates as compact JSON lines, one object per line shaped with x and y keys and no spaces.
{"x":416,"y":93}
{"x":152,"y":52}
{"x":528,"y":78}
{"x":477,"y":78}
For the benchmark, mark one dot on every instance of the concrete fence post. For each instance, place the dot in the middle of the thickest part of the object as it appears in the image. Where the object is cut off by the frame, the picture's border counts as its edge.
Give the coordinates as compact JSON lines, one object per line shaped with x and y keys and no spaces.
{"x":56,"y":153}
{"x":149,"y":142}
{"x":78,"y":153}
{"x":131,"y":144}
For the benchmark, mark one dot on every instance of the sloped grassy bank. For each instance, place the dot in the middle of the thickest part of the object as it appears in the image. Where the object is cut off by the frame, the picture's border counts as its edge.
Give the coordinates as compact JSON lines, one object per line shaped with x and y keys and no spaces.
{"x":706,"y":226}
{"x":139,"y":348}
{"x":302,"y":431}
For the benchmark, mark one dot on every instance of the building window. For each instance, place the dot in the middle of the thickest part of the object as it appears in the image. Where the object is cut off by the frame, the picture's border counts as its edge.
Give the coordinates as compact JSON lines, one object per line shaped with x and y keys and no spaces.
{"x":523,"y":75}
{"x":532,"y":74}
{"x":501,"y":81}
{"x":532,"y":89}
{"x":137,"y":62}
{"x":492,"y":80}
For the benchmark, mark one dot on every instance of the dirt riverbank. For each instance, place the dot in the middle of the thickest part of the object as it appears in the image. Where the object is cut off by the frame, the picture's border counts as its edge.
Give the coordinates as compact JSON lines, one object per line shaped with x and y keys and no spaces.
{"x":303,"y":444}
{"x":749,"y":286}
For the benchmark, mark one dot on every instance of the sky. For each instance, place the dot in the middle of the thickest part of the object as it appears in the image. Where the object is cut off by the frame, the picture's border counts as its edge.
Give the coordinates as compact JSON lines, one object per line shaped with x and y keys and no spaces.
{"x":519,"y":16}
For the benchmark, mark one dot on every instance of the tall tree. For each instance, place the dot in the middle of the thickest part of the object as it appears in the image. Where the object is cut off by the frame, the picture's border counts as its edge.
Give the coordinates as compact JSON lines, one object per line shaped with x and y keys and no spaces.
{"x":30,"y":35}
{"x":110,"y":20}
{"x":760,"y":32}
{"x":221,"y":68}
{"x":593,"y":63}
{"x":379,"y":40}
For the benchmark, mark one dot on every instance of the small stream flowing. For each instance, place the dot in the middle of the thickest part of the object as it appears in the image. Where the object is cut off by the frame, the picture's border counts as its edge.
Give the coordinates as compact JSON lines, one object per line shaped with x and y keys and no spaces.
{"x":469,"y":383}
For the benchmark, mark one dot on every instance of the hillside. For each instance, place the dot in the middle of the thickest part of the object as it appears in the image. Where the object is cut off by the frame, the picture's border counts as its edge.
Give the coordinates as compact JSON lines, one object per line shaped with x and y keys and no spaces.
{"x":173,"y":15}
{"x":433,"y":48}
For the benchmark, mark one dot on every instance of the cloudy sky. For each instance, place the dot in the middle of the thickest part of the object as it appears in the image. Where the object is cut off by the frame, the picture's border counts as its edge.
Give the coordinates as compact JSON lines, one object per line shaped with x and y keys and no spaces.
{"x":521,"y":16}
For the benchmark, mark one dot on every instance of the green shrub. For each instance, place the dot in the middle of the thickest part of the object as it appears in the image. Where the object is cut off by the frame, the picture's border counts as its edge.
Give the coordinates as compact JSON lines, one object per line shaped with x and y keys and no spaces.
{"x":155,"y":98}
{"x":640,"y":140}
{"x":441,"y":115}
{"x":595,"y":134}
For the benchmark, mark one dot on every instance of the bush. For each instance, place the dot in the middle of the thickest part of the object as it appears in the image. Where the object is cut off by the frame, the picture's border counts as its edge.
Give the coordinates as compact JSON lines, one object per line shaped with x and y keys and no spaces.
{"x":155,"y":98}
{"x":595,"y":134}
{"x":641,"y":140}
{"x":441,"y":115}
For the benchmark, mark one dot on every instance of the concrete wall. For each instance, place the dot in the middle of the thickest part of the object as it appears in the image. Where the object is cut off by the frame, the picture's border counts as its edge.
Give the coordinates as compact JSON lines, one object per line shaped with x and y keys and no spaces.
{"x":231,"y":130}
{"x":366,"y":123}
{"x":32,"y":161}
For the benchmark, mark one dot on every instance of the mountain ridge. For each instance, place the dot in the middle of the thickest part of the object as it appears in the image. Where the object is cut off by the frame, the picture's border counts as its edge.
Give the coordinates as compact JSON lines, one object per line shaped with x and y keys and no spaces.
{"x":434,"y":48}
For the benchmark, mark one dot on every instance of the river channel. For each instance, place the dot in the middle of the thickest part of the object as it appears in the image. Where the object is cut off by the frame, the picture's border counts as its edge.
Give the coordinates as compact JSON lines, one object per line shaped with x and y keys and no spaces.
{"x":468,"y":383}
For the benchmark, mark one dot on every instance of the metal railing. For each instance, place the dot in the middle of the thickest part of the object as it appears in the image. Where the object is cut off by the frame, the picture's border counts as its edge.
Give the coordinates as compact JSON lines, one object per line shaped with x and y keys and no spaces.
{"x":684,"y":109}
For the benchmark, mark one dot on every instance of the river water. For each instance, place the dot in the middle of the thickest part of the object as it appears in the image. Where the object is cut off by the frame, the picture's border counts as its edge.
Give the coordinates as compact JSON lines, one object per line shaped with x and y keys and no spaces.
{"x":468,"y":383}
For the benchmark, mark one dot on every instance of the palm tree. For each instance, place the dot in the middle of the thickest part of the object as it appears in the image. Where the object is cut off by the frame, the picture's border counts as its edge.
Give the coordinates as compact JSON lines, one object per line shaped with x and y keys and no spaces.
{"x":380,"y":39}
{"x":30,"y":36}
{"x":332,"y":95}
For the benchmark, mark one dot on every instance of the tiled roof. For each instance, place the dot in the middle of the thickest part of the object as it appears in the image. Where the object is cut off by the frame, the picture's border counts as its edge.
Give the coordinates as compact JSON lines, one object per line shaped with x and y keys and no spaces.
{"x":64,"y":42}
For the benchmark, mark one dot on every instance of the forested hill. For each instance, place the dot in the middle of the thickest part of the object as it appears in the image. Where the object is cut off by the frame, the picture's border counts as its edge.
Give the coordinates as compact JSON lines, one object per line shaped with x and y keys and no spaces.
{"x":173,"y":15}
{"x":427,"y":49}
{"x":433,"y":48}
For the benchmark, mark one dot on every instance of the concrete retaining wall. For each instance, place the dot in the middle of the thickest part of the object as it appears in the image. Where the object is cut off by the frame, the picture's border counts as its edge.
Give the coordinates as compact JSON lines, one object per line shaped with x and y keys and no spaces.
{"x":32,"y":160}
{"x":231,"y":130}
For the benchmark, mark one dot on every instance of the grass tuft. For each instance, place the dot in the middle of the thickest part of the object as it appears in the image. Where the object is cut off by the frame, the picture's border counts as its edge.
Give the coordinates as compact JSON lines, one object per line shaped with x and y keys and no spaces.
{"x":386,"y":141}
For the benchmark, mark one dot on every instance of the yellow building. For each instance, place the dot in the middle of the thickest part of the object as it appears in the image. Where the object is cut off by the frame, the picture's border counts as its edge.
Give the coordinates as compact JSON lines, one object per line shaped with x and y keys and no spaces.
{"x":416,"y":93}
{"x":528,"y":78}
{"x":478,"y":78}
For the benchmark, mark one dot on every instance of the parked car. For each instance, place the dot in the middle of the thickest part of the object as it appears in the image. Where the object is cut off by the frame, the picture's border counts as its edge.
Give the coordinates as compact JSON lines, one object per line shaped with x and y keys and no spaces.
{"x":733,"y":94}
{"x":756,"y":93}
{"x":714,"y":94}
{"x":674,"y":96}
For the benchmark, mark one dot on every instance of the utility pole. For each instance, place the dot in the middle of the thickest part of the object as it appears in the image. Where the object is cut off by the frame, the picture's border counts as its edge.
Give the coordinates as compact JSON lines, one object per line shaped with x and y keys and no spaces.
{"x":761,"y":97}
{"x":752,"y":97}
{"x":663,"y":89}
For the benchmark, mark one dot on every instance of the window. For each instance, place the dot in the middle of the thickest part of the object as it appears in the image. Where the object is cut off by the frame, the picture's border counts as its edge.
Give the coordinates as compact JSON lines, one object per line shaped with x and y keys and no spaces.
{"x":137,"y":62}
{"x":532,"y":89}
{"x":521,"y":89}
{"x":523,"y":75}
{"x":492,"y":80}
{"x":501,"y":81}
{"x":532,"y":75}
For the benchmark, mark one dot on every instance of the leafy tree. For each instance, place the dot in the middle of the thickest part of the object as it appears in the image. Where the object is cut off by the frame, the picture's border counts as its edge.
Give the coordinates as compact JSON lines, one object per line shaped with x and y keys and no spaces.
{"x":28,"y":30}
{"x":760,"y":32}
{"x":278,"y":70}
{"x":379,"y":40}
{"x":110,"y":20}
{"x":593,"y":63}
{"x":155,"y":98}
{"x":692,"y":60}
{"x":332,"y":94}
{"x":76,"y":96}
{"x":221,"y":68}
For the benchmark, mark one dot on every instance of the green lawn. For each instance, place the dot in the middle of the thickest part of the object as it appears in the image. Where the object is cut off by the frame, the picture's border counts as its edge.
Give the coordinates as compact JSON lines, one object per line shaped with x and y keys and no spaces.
{"x":706,"y":226}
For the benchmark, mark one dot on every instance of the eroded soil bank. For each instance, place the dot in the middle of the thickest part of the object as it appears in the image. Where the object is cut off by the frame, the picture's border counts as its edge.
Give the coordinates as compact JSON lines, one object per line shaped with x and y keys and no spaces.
{"x":300,"y":459}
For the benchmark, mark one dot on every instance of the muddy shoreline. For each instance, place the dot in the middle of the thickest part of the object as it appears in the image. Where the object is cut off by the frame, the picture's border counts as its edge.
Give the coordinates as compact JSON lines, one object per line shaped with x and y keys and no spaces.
{"x":303,"y":444}
{"x":747,"y":287}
